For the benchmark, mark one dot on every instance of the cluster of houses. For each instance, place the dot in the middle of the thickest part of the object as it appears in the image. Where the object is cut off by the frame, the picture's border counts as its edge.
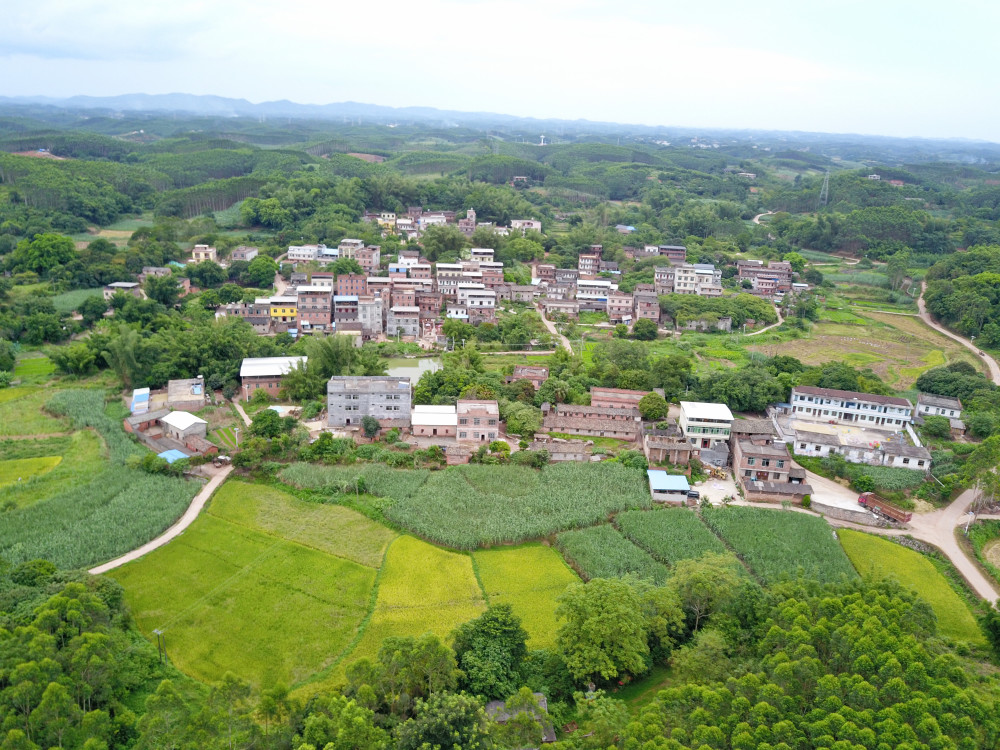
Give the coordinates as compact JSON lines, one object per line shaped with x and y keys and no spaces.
{"x":165,"y":421}
{"x":416,"y":220}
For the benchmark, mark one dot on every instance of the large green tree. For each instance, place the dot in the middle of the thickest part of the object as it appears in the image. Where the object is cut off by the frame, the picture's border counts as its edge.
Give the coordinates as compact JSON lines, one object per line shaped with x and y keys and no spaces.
{"x":490,"y":651}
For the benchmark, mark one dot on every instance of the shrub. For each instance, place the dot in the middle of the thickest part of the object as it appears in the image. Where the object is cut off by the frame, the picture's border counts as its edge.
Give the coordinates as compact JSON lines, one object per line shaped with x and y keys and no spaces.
{"x":863,"y":483}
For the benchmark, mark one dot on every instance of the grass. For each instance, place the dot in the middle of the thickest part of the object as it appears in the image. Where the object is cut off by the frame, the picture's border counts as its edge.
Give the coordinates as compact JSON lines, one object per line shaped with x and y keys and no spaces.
{"x":68,"y":302}
{"x":17,"y":470}
{"x":606,"y":443}
{"x":602,"y":552}
{"x":983,"y":537}
{"x":530,"y":578}
{"x":422,"y":589}
{"x":224,"y":437}
{"x":779,"y":545}
{"x":332,"y":529}
{"x":21,"y":412}
{"x":879,"y":558}
{"x":669,"y":534}
{"x":33,"y":370}
{"x":231,"y":598}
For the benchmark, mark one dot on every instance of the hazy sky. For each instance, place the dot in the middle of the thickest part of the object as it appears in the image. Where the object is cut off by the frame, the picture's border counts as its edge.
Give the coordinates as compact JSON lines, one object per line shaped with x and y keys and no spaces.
{"x":888,"y":67}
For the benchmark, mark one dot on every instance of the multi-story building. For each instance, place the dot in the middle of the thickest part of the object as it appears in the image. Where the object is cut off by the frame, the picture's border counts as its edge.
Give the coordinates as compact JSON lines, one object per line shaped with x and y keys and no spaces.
{"x":403,"y":321}
{"x":303,"y":253}
{"x":369,"y":258}
{"x":703,"y":279}
{"x":567,"y":307}
{"x":481,"y":305}
{"x":849,"y":407}
{"x":565,"y":276}
{"x":266,"y":373}
{"x":467,"y":226}
{"x":526,"y":225}
{"x":256,"y":313}
{"x":676,"y":255}
{"x":704,"y":425}
{"x":403,"y":297}
{"x":448,"y":275}
{"x":350,"y":398}
{"x":492,"y":273}
{"x":647,"y":305}
{"x":345,"y":308}
{"x":349,"y":247}
{"x":620,"y":307}
{"x":481,"y":253}
{"x":371,"y":315}
{"x":379,"y":286}
{"x":421,"y":271}
{"x":546,"y":272}
{"x":203,"y":252}
{"x":244,"y":253}
{"x":663,"y":279}
{"x":429,"y":303}
{"x":314,"y":307}
{"x":323,"y":279}
{"x":284,"y":309}
{"x":352,"y":283}
{"x":780,"y":271}
{"x":588,"y":264}
{"x":478,"y":420}
{"x":592,"y":294}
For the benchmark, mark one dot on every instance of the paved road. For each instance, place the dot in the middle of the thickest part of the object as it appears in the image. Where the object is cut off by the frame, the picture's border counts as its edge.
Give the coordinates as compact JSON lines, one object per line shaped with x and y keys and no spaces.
{"x":186,"y":520}
{"x":239,"y":410}
{"x":991,"y":363}
{"x":553,"y":330}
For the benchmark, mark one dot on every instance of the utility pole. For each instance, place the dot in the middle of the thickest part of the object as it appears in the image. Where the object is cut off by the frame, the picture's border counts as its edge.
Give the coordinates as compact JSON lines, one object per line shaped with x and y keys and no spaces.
{"x":161,"y":645}
{"x":824,"y":192}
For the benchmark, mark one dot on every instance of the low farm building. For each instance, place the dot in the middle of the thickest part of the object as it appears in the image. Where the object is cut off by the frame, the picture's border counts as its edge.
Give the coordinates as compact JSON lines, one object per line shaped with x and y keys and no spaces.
{"x":187,"y":395}
{"x":668,"y":488}
{"x":536,"y":374}
{"x":561,"y":450}
{"x":661,"y":447}
{"x":434,"y":421}
{"x":620,"y":398}
{"x":592,"y":421}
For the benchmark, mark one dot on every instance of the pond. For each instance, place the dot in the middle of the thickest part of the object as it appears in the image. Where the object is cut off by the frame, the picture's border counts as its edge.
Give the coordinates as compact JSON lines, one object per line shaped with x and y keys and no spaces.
{"x":412,"y":367}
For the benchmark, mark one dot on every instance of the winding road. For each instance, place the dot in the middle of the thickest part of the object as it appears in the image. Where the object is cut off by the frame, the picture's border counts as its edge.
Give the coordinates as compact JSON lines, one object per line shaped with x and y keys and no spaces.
{"x":553,"y":330}
{"x":773,"y":325}
{"x":174,"y":531}
{"x":925,"y":316}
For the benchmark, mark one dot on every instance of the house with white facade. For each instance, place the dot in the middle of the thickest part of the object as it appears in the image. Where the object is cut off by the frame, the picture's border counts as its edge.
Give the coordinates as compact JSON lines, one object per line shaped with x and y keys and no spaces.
{"x":704,"y":425}
{"x":849,"y":407}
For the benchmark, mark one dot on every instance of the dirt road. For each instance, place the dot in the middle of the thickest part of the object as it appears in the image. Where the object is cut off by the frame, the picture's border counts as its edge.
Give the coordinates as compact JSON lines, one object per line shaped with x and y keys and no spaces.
{"x":991,"y":363}
{"x":756,"y":219}
{"x":174,"y":531}
{"x":773,"y":325}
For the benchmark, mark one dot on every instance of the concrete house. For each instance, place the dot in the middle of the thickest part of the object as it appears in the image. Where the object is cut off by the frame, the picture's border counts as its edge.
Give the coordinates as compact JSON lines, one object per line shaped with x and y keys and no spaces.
{"x":534,"y":373}
{"x":313,"y":305}
{"x":181,"y":426}
{"x":126,"y":287}
{"x":203,"y":252}
{"x":478,"y":420}
{"x":187,"y":395}
{"x":244,"y":253}
{"x":668,"y":488}
{"x":349,"y":398}
{"x":704,"y":425}
{"x":849,"y":407}
{"x":403,"y":321}
{"x":929,"y":405}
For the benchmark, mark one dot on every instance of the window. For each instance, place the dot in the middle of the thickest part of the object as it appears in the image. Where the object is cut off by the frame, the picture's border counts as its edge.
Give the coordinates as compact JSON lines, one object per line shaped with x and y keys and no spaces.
{"x":751,"y":461}
{"x":462,"y":434}
{"x":475,"y":421}
{"x":781,"y":463}
{"x":765,"y":462}
{"x":802,"y":446}
{"x":906,"y":460}
{"x":463,"y":420}
{"x":920,"y":462}
{"x":747,"y":473}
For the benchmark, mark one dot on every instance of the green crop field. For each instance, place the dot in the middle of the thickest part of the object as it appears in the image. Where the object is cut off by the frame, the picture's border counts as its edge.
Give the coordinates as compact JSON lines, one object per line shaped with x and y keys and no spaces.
{"x":477,"y":505}
{"x":99,"y":515}
{"x":68,"y":302}
{"x":230,"y":598}
{"x":421,"y":589}
{"x":779,"y":544}
{"x":21,"y":412}
{"x":378,"y":479}
{"x":529,"y":578}
{"x":22,"y":470}
{"x":602,"y":552}
{"x":81,"y":455}
{"x":332,"y":529}
{"x":669,"y":534}
{"x":224,"y":437}
{"x":884,"y":559}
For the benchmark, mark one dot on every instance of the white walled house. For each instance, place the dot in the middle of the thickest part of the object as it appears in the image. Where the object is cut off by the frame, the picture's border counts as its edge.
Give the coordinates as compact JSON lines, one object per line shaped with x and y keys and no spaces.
{"x":929,"y":405}
{"x":849,"y":407}
{"x":704,"y":425}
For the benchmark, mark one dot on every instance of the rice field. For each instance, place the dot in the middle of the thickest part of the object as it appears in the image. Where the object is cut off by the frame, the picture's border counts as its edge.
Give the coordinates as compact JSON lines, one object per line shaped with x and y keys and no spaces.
{"x":33,"y":369}
{"x":68,"y":302}
{"x":18,"y":470}
{"x":421,"y":589}
{"x":530,"y":578}
{"x":779,"y":545}
{"x":669,"y":534}
{"x":332,"y":529}
{"x":602,"y":552}
{"x":21,"y":412}
{"x":80,"y":455}
{"x":879,"y":558}
{"x":231,"y":598}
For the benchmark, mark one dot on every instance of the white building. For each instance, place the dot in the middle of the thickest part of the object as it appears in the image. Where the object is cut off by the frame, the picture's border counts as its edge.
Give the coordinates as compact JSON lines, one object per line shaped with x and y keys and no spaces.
{"x":848,"y":407}
{"x":929,"y":405}
{"x":705,"y":425}
{"x":303,"y":253}
{"x":703,"y":279}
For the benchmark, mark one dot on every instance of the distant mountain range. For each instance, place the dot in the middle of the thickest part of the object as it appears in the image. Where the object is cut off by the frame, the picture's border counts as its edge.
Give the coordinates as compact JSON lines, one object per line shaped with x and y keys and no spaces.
{"x":219,"y":106}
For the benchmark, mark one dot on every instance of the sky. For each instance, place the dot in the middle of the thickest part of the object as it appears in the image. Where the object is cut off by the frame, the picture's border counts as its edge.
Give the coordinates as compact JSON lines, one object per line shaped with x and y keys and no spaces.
{"x":882,"y":67}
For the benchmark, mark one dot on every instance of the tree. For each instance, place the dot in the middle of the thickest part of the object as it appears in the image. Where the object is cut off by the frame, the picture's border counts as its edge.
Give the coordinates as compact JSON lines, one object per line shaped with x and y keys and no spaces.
{"x":653,"y":406}
{"x":604,"y":633}
{"x":813,"y":276}
{"x":92,"y":309}
{"x":266,"y":423}
{"x":8,"y":356}
{"x":260,"y":273}
{"x":704,"y":585}
{"x":42,"y":254}
{"x":521,"y":418}
{"x":55,"y":716}
{"x":527,"y":724}
{"x":490,"y":651}
{"x":446,"y":720}
{"x":122,"y":355}
{"x":75,"y":359}
{"x":796,"y":260}
{"x":370,"y":426}
{"x":937,"y":426}
{"x":163,"y":289}
{"x":303,"y":383}
{"x":644,"y":329}
{"x":863,"y":483}
{"x":442,"y":242}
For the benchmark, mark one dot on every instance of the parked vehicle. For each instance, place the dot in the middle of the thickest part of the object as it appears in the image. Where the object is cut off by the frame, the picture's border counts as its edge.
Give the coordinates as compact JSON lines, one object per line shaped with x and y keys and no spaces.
{"x":883,"y":507}
{"x":694,"y":494}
